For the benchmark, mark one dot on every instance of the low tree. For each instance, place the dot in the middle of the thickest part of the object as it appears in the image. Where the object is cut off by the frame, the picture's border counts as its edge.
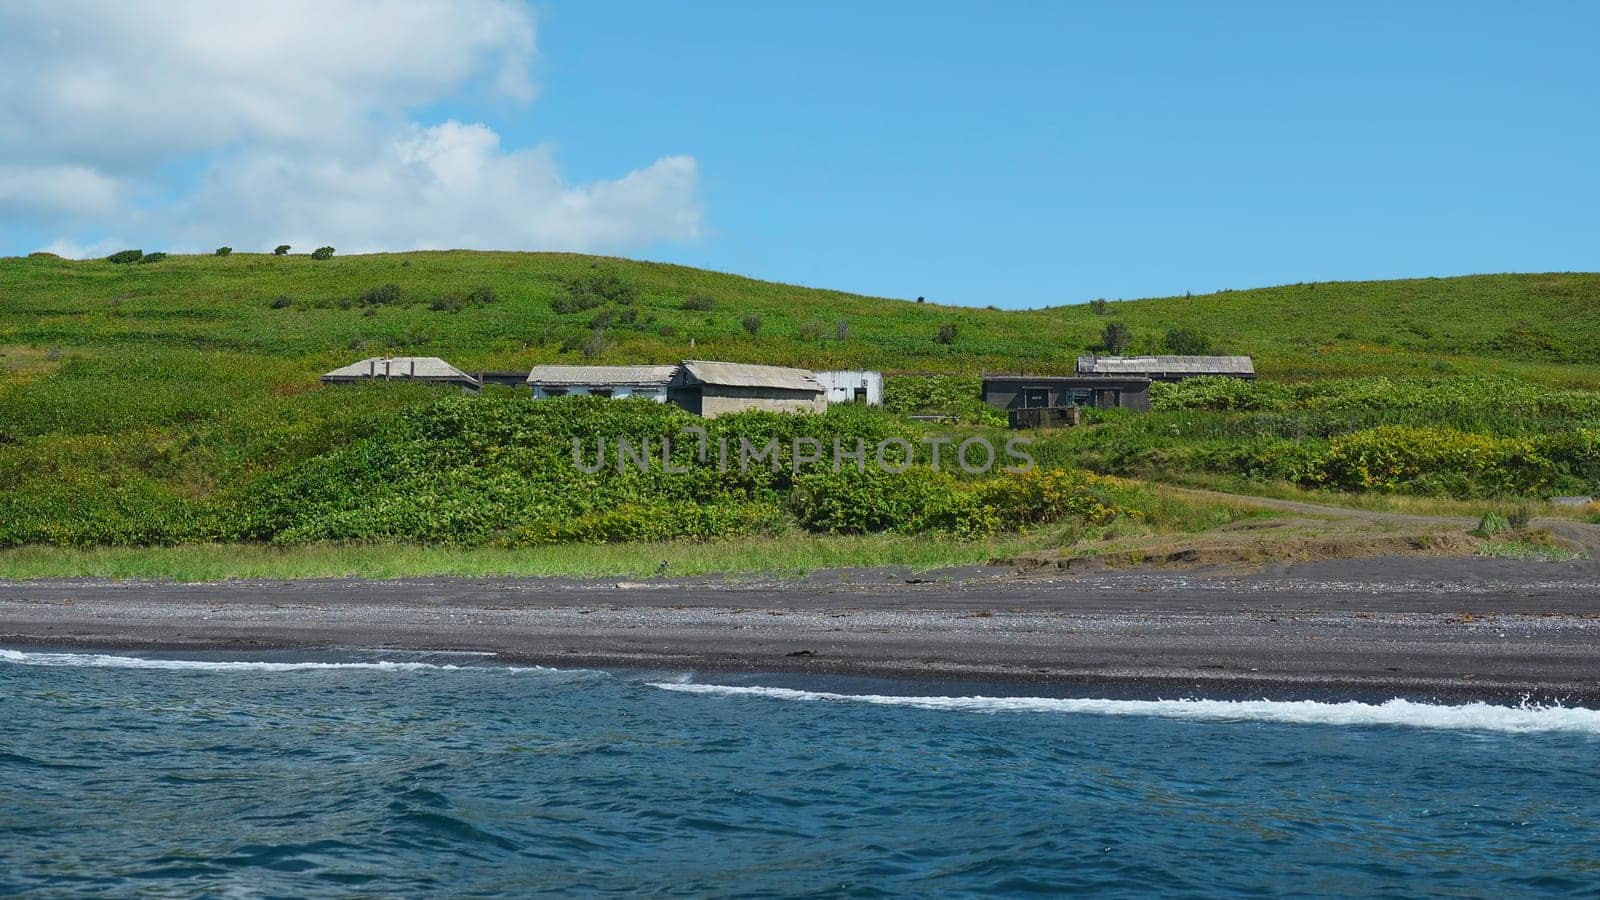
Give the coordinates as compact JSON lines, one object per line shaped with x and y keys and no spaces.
{"x":1186,"y":342}
{"x":280,"y":250}
{"x":841,"y":330}
{"x":322,"y":253}
{"x":947,"y":333}
{"x":155,"y":257}
{"x":1116,"y":338}
{"x":751,"y":323}
{"x":123,"y":257}
{"x":597,"y":343}
{"x":699,"y":302}
{"x":224,"y":251}
{"x":1099,"y":305}
{"x":380,"y":295}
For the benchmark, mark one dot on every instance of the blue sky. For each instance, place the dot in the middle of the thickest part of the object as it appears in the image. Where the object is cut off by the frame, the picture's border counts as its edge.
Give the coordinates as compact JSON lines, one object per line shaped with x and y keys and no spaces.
{"x":1014,"y":154}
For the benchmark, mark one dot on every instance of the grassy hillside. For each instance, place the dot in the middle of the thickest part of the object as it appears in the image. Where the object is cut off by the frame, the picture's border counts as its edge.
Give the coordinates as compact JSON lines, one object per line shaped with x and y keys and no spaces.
{"x":177,"y":401}
{"x":308,"y":316}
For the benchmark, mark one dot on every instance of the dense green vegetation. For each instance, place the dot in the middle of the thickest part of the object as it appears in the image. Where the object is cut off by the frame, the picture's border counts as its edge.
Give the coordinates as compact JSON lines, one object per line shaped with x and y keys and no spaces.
{"x":173,"y":399}
{"x":1464,"y":437}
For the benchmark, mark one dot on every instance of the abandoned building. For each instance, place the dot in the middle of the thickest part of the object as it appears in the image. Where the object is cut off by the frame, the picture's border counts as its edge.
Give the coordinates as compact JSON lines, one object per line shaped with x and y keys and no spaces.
{"x":408,"y":368}
{"x":601,"y":381}
{"x":712,"y":388}
{"x":1043,"y":401}
{"x":853,"y":386}
{"x":1167,"y":368}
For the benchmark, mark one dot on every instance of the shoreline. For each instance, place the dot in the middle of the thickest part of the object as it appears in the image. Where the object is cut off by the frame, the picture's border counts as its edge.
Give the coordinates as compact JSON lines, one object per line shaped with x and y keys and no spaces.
{"x":1446,"y":631}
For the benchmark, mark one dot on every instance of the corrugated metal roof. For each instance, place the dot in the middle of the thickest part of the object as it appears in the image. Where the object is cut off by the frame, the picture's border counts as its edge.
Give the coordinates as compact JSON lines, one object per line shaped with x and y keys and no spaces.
{"x":600,"y":375}
{"x":1166,"y":365}
{"x":428,"y":367}
{"x":747,"y":375}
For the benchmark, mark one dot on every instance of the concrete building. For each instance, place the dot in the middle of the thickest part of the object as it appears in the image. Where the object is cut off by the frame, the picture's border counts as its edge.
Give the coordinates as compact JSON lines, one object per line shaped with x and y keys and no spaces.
{"x":712,"y":388}
{"x":602,"y":381}
{"x":852,"y":386}
{"x":1167,"y":368}
{"x":408,"y":368}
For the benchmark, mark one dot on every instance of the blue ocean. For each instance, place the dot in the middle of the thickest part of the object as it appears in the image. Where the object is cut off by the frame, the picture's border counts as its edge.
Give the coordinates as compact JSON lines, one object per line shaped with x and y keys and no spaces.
{"x":369,"y":774}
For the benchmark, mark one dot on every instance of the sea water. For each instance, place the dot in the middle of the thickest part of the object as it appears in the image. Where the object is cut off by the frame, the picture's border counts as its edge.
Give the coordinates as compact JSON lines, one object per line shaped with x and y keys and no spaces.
{"x":372,"y":774}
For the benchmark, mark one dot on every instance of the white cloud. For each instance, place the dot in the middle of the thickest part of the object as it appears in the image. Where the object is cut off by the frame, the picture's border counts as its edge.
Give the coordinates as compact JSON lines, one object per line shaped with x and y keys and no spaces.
{"x":295,"y":115}
{"x":450,"y":186}
{"x":50,"y":192}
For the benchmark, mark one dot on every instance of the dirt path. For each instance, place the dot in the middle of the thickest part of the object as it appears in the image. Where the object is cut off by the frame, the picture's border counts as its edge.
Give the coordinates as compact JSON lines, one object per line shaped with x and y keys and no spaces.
{"x":1581,"y":533}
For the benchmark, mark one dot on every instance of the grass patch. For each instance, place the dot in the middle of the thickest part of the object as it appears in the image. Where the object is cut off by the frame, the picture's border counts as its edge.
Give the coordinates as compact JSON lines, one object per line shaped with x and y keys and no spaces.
{"x":1532,"y":548}
{"x":794,"y":554}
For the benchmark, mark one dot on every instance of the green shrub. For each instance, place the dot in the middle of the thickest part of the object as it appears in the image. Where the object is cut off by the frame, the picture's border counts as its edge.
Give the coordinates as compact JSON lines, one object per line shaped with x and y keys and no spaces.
{"x":853,"y":501}
{"x":123,"y":257}
{"x":280,"y":250}
{"x":958,"y":396}
{"x":1116,"y":338}
{"x":1491,"y":524}
{"x":596,"y":344}
{"x":594,"y":289}
{"x":223,"y":251}
{"x":1434,"y":461}
{"x":1021,"y":500}
{"x":751,"y":324}
{"x":380,"y":295}
{"x":699,"y":302}
{"x":1186,"y":342}
{"x":155,"y":257}
{"x":281,"y":302}
{"x":946,"y":334}
{"x":322,"y":253}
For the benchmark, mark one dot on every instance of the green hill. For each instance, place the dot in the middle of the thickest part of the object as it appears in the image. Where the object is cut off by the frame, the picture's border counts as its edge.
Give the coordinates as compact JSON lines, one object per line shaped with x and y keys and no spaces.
{"x":177,"y":400}
{"x":311,"y":313}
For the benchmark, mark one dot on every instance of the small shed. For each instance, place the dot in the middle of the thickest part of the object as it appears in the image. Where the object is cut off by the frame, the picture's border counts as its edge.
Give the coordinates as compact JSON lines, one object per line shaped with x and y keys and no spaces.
{"x":852,"y":386}
{"x":712,"y":388}
{"x":602,"y":381}
{"x":409,"y":368}
{"x":1167,"y":368}
{"x":1057,"y":392}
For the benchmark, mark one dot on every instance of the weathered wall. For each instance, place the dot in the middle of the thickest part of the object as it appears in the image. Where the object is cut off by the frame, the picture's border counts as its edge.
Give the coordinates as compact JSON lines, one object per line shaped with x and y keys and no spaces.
{"x":718,"y":399}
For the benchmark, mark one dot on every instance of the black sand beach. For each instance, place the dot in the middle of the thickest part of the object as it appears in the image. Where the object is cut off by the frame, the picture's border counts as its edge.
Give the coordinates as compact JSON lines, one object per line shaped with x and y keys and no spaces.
{"x":1430,"y":629}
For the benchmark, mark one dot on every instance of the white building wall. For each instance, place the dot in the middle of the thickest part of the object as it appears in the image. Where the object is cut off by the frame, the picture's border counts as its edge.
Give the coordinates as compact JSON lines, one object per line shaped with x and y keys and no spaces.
{"x":841,"y":385}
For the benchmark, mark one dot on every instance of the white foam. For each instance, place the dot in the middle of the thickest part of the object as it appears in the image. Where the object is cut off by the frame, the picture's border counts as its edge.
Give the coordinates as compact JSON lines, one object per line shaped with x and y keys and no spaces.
{"x":103,"y":661}
{"x":1523,"y":719}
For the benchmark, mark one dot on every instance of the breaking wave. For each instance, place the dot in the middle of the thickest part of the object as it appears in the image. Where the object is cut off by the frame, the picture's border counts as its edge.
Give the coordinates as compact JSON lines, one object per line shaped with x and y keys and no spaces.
{"x":104,"y":661}
{"x":1523,"y":719}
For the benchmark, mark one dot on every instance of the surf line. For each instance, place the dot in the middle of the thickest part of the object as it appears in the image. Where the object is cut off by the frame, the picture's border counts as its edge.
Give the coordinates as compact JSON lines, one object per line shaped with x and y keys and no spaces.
{"x":1522,"y":719}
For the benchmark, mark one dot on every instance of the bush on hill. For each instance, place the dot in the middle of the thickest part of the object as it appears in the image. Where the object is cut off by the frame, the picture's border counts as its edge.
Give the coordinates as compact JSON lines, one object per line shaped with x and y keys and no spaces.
{"x":223,"y":251}
{"x":1186,"y":342}
{"x":280,"y":250}
{"x":322,"y":253}
{"x":380,"y":295}
{"x":1116,"y":338}
{"x":123,"y":257}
